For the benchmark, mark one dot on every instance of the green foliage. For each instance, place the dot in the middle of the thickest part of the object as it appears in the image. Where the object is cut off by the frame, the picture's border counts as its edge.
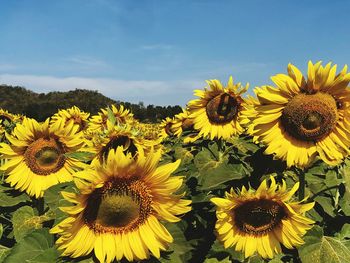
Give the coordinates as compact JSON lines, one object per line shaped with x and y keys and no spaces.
{"x":324,"y":249}
{"x":9,"y":197}
{"x":24,"y":221}
{"x":37,"y":247}
{"x":209,"y":168}
{"x":41,"y":106}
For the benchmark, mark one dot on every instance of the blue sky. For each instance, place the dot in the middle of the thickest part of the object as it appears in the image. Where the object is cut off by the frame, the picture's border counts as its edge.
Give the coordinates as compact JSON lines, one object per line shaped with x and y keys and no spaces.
{"x":159,"y":51}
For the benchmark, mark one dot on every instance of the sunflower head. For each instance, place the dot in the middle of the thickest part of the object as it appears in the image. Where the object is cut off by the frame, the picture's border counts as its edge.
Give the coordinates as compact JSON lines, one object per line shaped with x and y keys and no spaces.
{"x":36,"y":156}
{"x":119,"y":206}
{"x":217,"y":112}
{"x":302,"y":118}
{"x":182,"y":122}
{"x":261,"y":220}
{"x":114,"y":137}
{"x":118,"y":115}
{"x":310,"y":117}
{"x":6,"y":116}
{"x":167,"y":127}
{"x":73,"y":114}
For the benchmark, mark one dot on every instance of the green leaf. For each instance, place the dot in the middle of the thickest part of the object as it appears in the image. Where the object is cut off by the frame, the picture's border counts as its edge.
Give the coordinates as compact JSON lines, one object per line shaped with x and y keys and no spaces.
{"x":315,"y":182}
{"x":220,"y":174}
{"x":214,"y":260}
{"x":35,"y":247}
{"x":244,"y":145}
{"x":217,"y":250}
{"x":24,"y":221}
{"x":326,"y":203}
{"x":184,"y":154}
{"x":344,"y":232}
{"x":1,"y":230}
{"x":345,"y":172}
{"x":215,"y":170}
{"x":324,"y":249}
{"x":111,"y":116}
{"x":180,"y":247}
{"x":254,"y":259}
{"x":4,"y":251}
{"x":332,"y":179}
{"x":277,"y":259}
{"x":54,"y":200}
{"x":10,"y":197}
{"x":46,"y":256}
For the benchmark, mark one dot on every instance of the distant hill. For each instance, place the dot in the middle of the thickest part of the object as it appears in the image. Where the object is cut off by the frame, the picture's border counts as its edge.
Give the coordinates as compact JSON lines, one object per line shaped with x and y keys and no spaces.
{"x":41,"y":105}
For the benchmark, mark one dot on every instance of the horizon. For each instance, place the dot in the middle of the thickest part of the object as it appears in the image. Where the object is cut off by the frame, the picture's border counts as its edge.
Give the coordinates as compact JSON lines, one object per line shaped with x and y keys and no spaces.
{"x":157,"y":51}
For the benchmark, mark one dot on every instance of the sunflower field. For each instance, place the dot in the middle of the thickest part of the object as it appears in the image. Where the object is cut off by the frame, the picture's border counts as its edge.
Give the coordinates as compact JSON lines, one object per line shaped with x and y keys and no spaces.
{"x":235,"y":177}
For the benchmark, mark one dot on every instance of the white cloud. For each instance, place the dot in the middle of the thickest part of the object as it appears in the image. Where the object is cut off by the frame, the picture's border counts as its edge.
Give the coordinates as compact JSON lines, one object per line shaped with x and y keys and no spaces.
{"x":150,"y":92}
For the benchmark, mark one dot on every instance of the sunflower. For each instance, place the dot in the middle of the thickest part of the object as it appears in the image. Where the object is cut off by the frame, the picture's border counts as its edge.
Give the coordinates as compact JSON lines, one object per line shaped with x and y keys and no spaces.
{"x":259,"y":221}
{"x":300,"y":119}
{"x":37,"y":156}
{"x":114,"y":136}
{"x":99,"y":122}
{"x":150,"y":134}
{"x":182,"y":122}
{"x":2,"y":131}
{"x":217,"y":112}
{"x":166,"y":127}
{"x":73,"y":114}
{"x":118,"y":209}
{"x":9,"y":117}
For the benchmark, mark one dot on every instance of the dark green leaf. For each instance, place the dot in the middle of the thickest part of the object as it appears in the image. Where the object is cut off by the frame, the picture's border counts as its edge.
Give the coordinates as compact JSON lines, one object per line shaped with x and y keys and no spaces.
{"x":180,"y":247}
{"x":326,"y":203}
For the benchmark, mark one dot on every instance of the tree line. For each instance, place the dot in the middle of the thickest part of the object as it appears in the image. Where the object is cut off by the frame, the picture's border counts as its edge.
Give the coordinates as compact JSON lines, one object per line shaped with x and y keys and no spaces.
{"x":20,"y":100}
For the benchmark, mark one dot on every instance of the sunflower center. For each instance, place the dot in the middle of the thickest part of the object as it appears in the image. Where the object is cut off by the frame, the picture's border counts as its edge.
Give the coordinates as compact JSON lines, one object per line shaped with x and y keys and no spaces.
{"x":119,"y":206}
{"x":257,"y":217}
{"x":79,"y":121}
{"x":45,"y":156}
{"x":222,"y":109}
{"x":187,"y":124}
{"x":117,"y":210}
{"x":310,"y":117}
{"x":117,"y":141}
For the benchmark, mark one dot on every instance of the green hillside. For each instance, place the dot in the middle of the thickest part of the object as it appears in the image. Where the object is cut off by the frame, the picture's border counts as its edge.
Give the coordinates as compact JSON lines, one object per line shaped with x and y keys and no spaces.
{"x":41,"y":105}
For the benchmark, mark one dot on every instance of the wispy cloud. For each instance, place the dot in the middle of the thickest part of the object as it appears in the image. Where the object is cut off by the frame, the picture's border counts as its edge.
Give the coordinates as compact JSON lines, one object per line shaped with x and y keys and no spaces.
{"x":150,"y":92}
{"x":86,"y":61}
